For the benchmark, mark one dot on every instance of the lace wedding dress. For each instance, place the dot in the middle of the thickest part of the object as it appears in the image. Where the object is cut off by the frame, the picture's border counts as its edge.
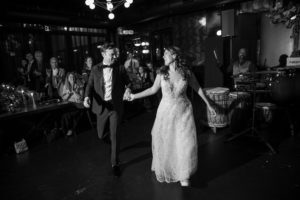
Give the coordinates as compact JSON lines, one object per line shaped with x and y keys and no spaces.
{"x":174,"y":140}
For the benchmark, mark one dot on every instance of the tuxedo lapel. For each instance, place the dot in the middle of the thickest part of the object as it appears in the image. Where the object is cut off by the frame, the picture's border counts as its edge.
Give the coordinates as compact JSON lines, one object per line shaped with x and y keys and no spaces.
{"x":100,"y":78}
{"x":114,"y":77}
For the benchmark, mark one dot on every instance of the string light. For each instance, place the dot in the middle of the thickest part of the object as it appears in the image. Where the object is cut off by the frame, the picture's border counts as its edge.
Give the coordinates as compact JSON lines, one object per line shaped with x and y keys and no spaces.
{"x":111,"y":16}
{"x":108,"y":5}
{"x":202,"y":21}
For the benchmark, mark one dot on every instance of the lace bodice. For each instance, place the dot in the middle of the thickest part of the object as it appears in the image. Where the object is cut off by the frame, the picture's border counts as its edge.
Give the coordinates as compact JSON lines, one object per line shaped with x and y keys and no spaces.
{"x":173,"y":90}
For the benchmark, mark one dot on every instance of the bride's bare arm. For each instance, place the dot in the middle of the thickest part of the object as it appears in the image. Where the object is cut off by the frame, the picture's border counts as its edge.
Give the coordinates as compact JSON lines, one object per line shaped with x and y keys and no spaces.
{"x":150,"y":91}
{"x":195,"y":85}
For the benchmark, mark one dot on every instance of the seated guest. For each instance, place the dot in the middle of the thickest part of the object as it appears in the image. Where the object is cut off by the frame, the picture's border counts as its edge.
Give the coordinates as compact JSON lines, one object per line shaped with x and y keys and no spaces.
{"x":73,"y":93}
{"x":71,"y":90}
{"x":282,"y":62}
{"x":240,"y":66}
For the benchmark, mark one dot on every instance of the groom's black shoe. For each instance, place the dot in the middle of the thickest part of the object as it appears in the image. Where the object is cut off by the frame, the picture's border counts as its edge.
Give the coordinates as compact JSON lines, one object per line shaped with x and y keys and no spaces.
{"x":116,"y":170}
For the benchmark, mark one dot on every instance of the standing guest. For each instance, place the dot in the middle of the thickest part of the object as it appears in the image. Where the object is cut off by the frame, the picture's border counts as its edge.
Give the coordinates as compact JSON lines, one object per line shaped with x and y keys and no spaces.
{"x":38,"y":72}
{"x":144,"y":78}
{"x":282,"y":62}
{"x":87,"y":67}
{"x":53,"y":86}
{"x":54,"y":82}
{"x":48,"y":84}
{"x":131,"y":63}
{"x":57,"y":76}
{"x":29,"y":71}
{"x":174,"y":138}
{"x":150,"y":71}
{"x":73,"y":93}
{"x":158,"y":60}
{"x":106,"y":87}
{"x":145,"y":82}
{"x":21,"y":73}
{"x":24,"y":64}
{"x":133,"y":78}
{"x":155,"y":99}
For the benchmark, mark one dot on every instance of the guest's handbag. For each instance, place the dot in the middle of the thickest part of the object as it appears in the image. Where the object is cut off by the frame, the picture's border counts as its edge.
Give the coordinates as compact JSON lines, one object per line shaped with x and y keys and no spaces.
{"x":21,"y":146}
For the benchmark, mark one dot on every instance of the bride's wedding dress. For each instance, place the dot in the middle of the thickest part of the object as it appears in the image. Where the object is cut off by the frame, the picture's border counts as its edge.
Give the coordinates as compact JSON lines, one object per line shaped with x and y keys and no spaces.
{"x":174,"y":140}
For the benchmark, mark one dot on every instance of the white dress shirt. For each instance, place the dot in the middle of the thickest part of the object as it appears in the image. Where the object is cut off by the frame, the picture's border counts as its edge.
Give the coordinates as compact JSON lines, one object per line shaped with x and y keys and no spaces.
{"x":107,"y":74}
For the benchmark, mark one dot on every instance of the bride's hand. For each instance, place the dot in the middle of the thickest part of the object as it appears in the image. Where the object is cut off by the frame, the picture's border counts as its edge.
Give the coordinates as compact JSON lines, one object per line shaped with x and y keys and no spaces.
{"x":126,"y":95}
{"x":131,"y":97}
{"x":212,"y":111}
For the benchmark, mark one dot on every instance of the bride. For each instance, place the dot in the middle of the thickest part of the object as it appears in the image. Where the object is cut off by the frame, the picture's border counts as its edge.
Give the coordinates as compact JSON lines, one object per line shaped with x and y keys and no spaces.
{"x":174,"y":138}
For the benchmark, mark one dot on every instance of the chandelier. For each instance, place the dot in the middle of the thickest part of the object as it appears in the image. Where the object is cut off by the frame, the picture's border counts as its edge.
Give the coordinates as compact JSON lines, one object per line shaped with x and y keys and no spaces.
{"x":109,"y":5}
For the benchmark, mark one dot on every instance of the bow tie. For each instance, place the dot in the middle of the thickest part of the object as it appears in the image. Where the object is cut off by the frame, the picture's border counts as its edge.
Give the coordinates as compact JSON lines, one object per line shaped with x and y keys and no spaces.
{"x":107,"y":66}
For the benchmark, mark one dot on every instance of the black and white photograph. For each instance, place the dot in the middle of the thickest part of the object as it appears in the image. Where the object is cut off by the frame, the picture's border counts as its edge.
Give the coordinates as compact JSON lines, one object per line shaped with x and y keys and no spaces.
{"x":150,"y":100}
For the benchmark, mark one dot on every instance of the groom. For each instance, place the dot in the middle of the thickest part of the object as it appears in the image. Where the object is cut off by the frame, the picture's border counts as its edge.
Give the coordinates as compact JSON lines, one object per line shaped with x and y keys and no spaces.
{"x":105,"y":88}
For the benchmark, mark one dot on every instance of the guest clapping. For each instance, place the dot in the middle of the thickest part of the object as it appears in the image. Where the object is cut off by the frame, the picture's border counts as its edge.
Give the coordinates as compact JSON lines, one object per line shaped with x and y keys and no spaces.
{"x":73,"y":93}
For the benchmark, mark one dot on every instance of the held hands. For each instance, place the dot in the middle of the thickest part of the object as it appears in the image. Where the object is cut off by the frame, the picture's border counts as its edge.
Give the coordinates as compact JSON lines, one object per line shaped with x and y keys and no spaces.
{"x":131,"y":97}
{"x":128,"y":95}
{"x":87,"y":102}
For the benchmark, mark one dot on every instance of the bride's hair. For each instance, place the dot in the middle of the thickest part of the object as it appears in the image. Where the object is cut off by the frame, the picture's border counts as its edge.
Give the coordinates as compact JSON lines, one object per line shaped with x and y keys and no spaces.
{"x":180,"y":64}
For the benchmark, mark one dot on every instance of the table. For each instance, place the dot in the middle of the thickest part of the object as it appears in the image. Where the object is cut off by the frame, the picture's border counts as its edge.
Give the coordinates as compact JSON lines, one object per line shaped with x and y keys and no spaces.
{"x":30,"y":110}
{"x":9,"y":122}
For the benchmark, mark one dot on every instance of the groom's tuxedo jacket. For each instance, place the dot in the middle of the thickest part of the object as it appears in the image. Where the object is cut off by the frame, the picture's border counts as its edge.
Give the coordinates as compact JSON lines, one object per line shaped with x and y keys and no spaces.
{"x":95,"y":87}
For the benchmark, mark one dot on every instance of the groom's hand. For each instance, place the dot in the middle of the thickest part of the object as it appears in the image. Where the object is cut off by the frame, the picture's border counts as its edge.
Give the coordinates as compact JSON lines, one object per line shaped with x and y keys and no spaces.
{"x":126,"y":95}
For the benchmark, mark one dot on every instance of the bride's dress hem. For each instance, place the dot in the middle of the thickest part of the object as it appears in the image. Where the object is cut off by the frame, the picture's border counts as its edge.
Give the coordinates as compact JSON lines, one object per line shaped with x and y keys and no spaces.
{"x":170,"y":180}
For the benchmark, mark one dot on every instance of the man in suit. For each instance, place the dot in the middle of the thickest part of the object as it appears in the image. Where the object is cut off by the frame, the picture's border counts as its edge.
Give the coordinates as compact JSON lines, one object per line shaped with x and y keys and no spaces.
{"x":105,"y":90}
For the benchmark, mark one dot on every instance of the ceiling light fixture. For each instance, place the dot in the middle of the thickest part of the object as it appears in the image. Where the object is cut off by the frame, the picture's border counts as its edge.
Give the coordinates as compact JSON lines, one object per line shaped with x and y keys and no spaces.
{"x":108,"y":5}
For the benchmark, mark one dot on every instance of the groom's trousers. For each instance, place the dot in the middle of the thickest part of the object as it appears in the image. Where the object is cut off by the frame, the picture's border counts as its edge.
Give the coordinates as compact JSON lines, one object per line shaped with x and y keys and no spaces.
{"x":110,"y":117}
